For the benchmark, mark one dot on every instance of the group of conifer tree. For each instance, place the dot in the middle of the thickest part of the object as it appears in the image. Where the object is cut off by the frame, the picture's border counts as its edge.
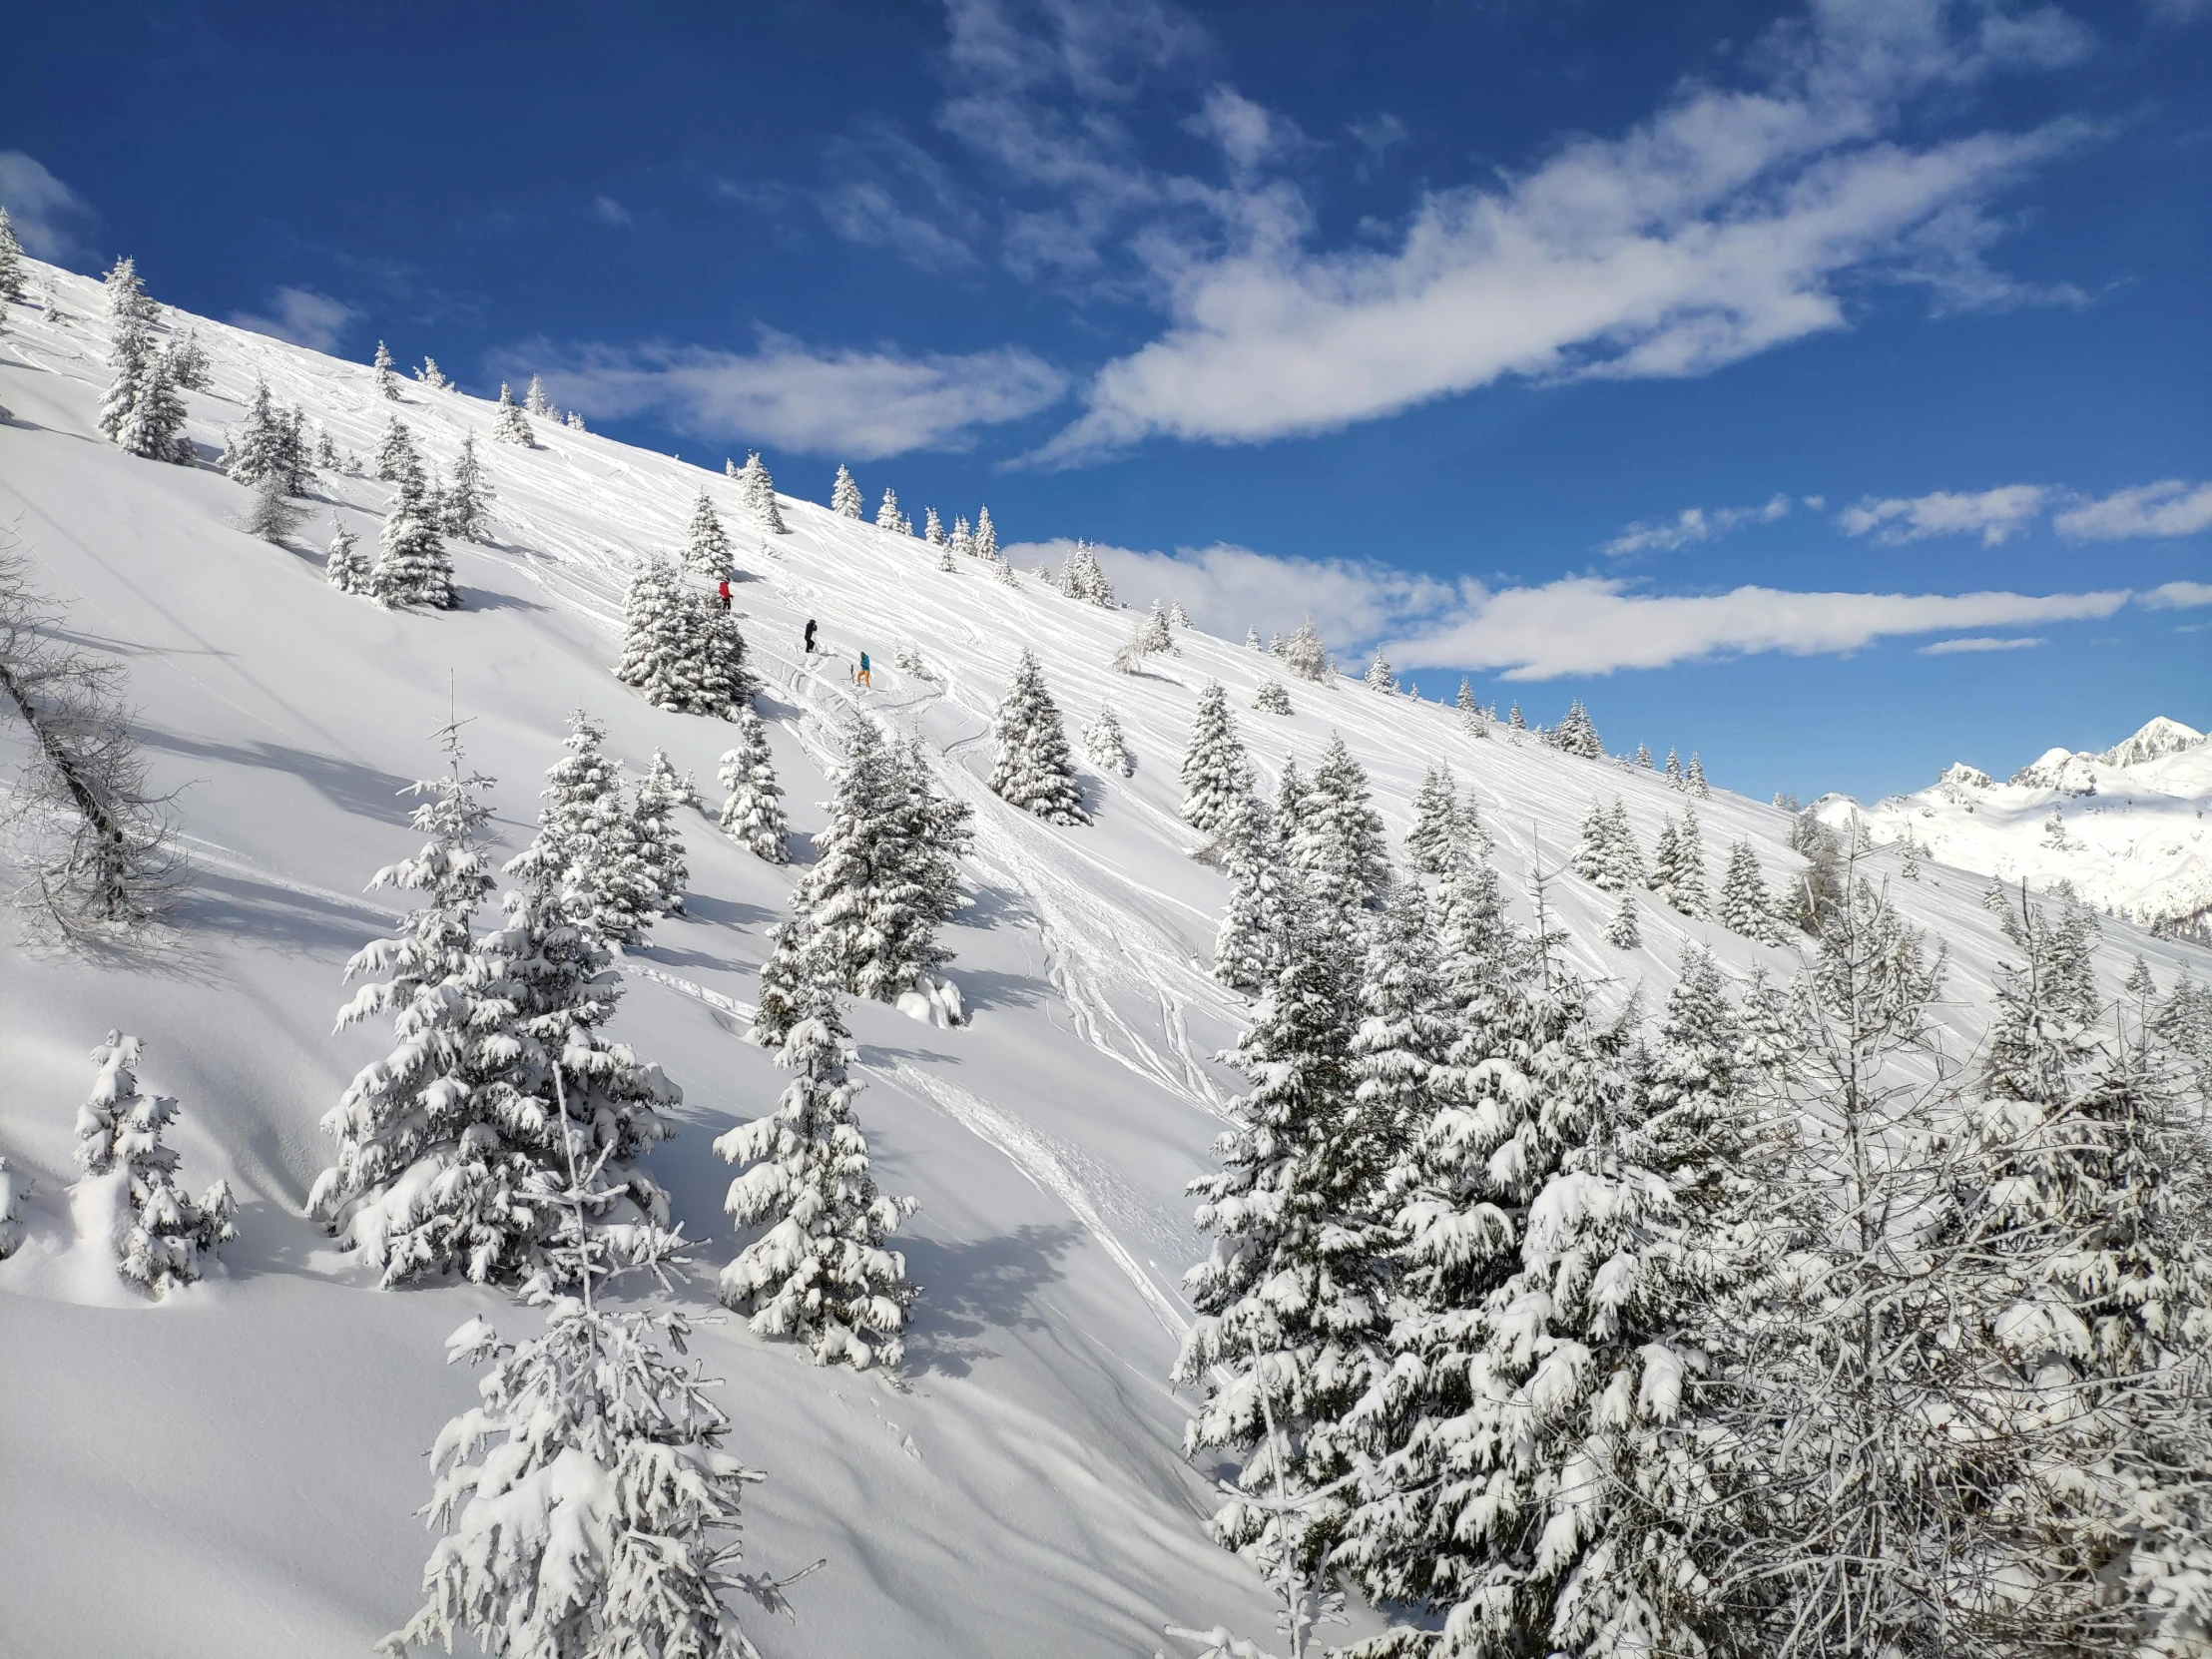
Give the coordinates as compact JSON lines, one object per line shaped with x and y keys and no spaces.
{"x":1776,"y":1327}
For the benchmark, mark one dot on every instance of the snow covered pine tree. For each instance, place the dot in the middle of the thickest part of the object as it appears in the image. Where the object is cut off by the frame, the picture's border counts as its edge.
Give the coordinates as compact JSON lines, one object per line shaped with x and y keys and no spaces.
{"x":162,"y":1238}
{"x":752,"y":808}
{"x":1033,"y":770}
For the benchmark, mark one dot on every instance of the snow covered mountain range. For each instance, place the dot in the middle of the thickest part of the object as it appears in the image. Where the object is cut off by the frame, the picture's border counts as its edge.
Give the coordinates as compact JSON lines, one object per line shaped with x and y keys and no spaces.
{"x":247,"y":1456}
{"x":2125,"y":825}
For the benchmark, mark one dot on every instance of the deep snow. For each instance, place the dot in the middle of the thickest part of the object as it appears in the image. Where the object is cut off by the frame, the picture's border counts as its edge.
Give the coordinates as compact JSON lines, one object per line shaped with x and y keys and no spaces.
{"x":234,"y":1471}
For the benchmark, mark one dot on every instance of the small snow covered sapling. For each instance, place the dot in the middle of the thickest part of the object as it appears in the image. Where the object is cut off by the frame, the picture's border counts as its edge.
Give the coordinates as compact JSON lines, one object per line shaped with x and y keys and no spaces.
{"x":387,"y":382}
{"x":844,"y":493}
{"x":662,"y":871}
{"x":1380,"y":677}
{"x":1303,"y":654}
{"x":119,"y":1133}
{"x":753,"y":809}
{"x":820,"y":1273}
{"x":509,"y":424}
{"x":1103,"y":745}
{"x":1273,"y":698}
{"x":1623,"y":932}
{"x":345,"y":567}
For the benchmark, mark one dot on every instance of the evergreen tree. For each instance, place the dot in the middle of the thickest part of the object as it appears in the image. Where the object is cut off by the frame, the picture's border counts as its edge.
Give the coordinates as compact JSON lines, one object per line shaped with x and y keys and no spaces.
{"x":683,"y":651}
{"x":154,"y":429}
{"x":255,"y":450}
{"x":412,"y":565}
{"x":169,"y":1238}
{"x":1153,"y":633}
{"x":1577,"y":736}
{"x":1248,"y":946}
{"x":1273,"y":698}
{"x":1290,"y":1304}
{"x":399,"y":1192}
{"x":1379,"y":675}
{"x":752,"y":807}
{"x":820,"y":1273}
{"x":1693,"y":780}
{"x":574,"y":421}
{"x":1082,"y":577}
{"x":1675,"y":778}
{"x":1103,"y":745}
{"x":1178,"y":617}
{"x":1033,"y":770}
{"x":432,"y":377}
{"x":945,"y":560}
{"x":1678,"y":873}
{"x":660,"y":793}
{"x":1339,"y":846}
{"x":1252,"y":639}
{"x":345,"y":567}
{"x":465,"y":502}
{"x":387,"y":383}
{"x":12,"y":288}
{"x":1303,"y":654}
{"x":1471,"y":720}
{"x":1643,"y":756}
{"x":760,"y":495}
{"x":588,"y":844}
{"x":1400,"y":1049}
{"x":395,"y":452}
{"x":1515,"y":720}
{"x":932,"y":527}
{"x":270,"y":516}
{"x":1214,"y":773}
{"x":1625,"y":931}
{"x":585,"y":1500}
{"x":1429,"y":844}
{"x":1746,"y":906}
{"x":845,"y":494}
{"x":963,"y":543}
{"x":188,"y":364}
{"x":986,"y":541}
{"x":508,"y":424}
{"x":535,"y":402}
{"x":706,"y":548}
{"x":888,"y":516}
{"x":882,"y":883}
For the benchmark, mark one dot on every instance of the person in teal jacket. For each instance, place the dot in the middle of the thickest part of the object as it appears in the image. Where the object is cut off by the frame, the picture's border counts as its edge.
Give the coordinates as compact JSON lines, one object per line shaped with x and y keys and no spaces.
{"x":861,"y":677}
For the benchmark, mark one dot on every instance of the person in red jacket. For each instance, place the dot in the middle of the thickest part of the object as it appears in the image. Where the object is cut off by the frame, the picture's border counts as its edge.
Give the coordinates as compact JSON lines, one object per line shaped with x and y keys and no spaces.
{"x":721,"y":592}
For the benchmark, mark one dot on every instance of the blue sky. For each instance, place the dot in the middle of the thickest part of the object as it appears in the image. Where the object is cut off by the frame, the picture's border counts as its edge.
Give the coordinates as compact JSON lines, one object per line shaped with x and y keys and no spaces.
{"x":1821,"y":388}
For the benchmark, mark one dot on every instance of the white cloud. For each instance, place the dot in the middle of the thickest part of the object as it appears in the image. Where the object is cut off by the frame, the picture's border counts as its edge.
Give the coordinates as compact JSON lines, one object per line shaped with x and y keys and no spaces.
{"x":1227,"y":589}
{"x":1996,"y":515}
{"x":2176,"y":596}
{"x":41,"y":207}
{"x":859,"y":404}
{"x":1979,"y":642}
{"x":2171,"y":507}
{"x":609,"y":211}
{"x":1719,"y":228}
{"x":1378,"y":136}
{"x":303,"y":316}
{"x":1695,"y":524}
{"x":1590,"y":625}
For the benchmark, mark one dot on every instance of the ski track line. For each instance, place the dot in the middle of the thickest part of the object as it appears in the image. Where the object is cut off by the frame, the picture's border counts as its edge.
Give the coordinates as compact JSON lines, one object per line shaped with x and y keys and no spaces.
{"x":1030,"y":1153}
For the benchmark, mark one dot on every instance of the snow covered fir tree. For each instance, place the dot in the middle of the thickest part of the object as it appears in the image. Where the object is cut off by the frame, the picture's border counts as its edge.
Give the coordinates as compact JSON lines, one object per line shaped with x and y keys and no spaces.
{"x":1033,"y":769}
{"x":753,"y":802}
{"x":163,"y":1237}
{"x":819,"y":1273}
{"x":683,"y":651}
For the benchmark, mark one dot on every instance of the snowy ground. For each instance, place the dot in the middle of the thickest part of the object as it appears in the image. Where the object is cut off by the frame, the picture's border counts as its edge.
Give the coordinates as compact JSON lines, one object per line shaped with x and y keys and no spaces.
{"x":247,"y":1456}
{"x":2125,"y":825}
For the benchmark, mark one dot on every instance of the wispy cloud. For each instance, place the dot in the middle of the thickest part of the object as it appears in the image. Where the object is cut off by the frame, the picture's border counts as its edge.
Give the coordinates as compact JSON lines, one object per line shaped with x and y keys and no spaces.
{"x":2171,"y":507}
{"x":885,"y":191}
{"x":47,"y":213}
{"x":1589,"y":624}
{"x":1693,"y":524}
{"x":859,"y":404}
{"x":303,"y":316}
{"x":1227,"y":589}
{"x":1994,"y":515}
{"x":2178,"y":596}
{"x":1720,"y":229}
{"x":1979,"y":642}
{"x":609,"y":211}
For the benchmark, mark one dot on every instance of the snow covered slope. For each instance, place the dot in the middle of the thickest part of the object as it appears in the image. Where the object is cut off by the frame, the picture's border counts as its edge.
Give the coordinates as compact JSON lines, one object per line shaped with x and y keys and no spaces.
{"x":2125,"y":825}
{"x":246,"y":1457}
